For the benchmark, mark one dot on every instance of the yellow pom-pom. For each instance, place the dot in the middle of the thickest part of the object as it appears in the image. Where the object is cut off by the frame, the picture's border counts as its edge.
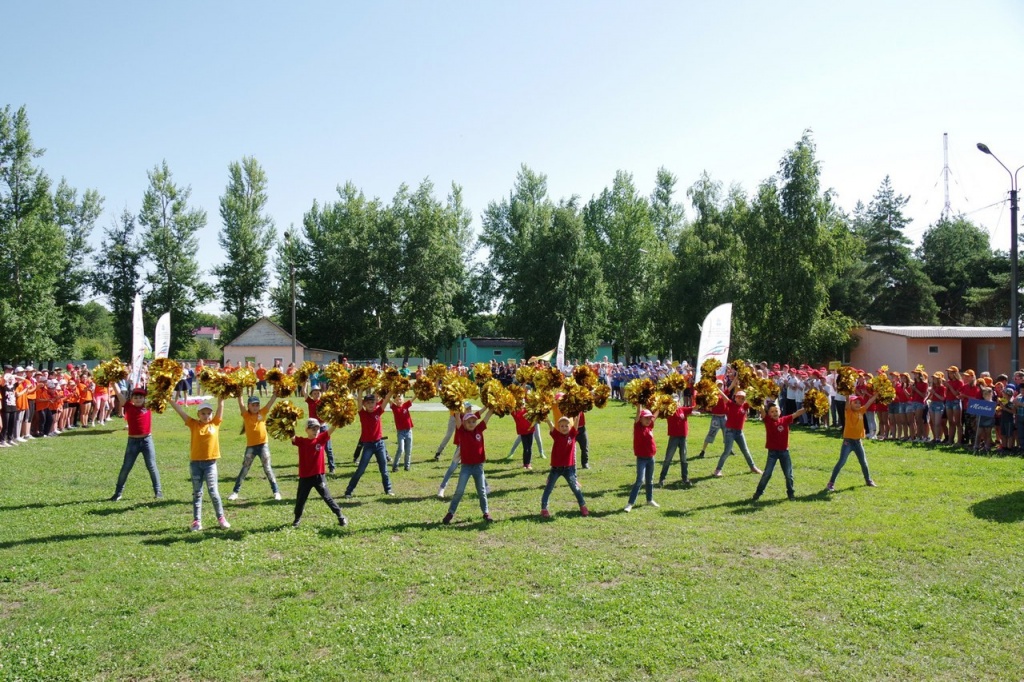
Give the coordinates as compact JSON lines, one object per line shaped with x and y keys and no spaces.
{"x":709,"y":368}
{"x":436,"y":372}
{"x":665,"y":405}
{"x":538,"y":405}
{"x":337,"y":408}
{"x":816,"y":403}
{"x":548,"y":378}
{"x":601,"y":395}
{"x":482,"y":373}
{"x":497,"y":398}
{"x":282,"y":419}
{"x":364,"y":379}
{"x":706,"y":394}
{"x":846,"y":380}
{"x":524,"y":374}
{"x":337,"y":376}
{"x":640,"y":392}
{"x":585,"y":376}
{"x":456,"y":390}
{"x":575,"y":399}
{"x":424,"y":389}
{"x":883,"y":388}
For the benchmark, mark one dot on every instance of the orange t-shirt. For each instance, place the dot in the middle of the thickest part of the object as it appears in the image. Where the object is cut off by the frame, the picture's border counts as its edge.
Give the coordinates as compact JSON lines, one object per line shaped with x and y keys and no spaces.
{"x":84,"y":394}
{"x":21,"y":401}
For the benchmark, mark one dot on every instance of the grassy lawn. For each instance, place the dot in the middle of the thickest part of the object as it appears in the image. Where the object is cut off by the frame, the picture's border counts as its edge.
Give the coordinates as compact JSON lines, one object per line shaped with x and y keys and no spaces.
{"x":919,"y":578}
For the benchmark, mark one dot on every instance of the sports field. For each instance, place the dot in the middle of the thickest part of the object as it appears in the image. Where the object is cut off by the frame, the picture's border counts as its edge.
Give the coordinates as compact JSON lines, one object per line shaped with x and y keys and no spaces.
{"x":919,"y":578}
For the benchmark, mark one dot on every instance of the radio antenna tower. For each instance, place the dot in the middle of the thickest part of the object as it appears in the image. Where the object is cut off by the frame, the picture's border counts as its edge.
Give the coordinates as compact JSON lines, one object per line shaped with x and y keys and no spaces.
{"x":946,"y":208}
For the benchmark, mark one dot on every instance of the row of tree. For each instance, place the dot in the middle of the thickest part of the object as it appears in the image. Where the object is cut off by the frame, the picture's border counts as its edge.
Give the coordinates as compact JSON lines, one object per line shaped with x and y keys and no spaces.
{"x":372,"y":276}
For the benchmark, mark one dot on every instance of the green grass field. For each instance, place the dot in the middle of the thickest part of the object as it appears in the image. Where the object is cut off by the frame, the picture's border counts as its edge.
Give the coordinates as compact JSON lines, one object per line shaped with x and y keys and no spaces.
{"x":919,"y":578}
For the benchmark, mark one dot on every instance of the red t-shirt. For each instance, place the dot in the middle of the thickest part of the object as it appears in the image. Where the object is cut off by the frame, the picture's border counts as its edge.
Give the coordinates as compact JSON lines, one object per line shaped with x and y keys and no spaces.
{"x":901,"y":393}
{"x":720,"y":409}
{"x":139,"y":420}
{"x":311,"y":406}
{"x":643,"y":441}
{"x":954,"y":385}
{"x":583,"y":420}
{"x":261,"y":373}
{"x":311,"y":454}
{"x":369,"y":421}
{"x":403,"y":420}
{"x":938,"y":393}
{"x":563,"y":448}
{"x":524,"y":427}
{"x":678,"y":424}
{"x":736,"y":414}
{"x":919,"y":392}
{"x":777,"y":432}
{"x":968,"y":392}
{"x":471,"y":444}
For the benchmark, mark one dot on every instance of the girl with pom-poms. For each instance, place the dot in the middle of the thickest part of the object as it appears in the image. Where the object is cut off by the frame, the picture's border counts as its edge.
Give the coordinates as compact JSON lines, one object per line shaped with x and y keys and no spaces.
{"x":644,"y":449}
{"x":735,"y":418}
{"x":678,"y":430}
{"x":853,"y":439}
{"x":563,"y":462}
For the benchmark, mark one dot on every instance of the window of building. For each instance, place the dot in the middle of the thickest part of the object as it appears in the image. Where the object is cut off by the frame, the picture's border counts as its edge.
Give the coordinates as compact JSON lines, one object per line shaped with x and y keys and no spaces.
{"x":933,"y":350}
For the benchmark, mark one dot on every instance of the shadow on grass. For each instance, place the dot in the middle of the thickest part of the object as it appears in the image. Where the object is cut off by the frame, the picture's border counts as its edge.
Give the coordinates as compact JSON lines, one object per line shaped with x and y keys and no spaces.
{"x":72,"y":537}
{"x":214,"y":533}
{"x":86,"y":432}
{"x":50,"y":505}
{"x":118,"y":508}
{"x":1001,"y":509}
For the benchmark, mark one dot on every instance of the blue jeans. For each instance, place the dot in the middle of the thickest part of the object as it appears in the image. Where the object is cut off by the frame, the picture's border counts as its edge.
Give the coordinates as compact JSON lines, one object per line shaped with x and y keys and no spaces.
{"x":456,"y":463}
{"x":205,"y":471}
{"x":675,"y":443}
{"x":251,"y":453}
{"x":782,"y":457}
{"x":135,"y":447}
{"x":569,"y":473}
{"x":374,"y":449}
{"x":404,"y":445}
{"x":644,"y":475}
{"x":717,"y":424}
{"x":735,"y":436}
{"x":477,"y":472}
{"x":857,"y":447}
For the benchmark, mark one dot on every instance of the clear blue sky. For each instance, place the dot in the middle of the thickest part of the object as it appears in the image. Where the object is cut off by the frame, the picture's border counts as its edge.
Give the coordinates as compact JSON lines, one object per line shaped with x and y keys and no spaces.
{"x":389,"y":92}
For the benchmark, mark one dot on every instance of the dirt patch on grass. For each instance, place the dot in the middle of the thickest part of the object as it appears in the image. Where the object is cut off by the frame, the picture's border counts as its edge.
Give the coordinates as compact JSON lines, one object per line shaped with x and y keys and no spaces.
{"x":7,"y":608}
{"x":774,"y":553}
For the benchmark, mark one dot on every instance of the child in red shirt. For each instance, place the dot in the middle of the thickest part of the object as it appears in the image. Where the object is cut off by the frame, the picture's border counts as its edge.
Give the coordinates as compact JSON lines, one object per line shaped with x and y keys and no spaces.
{"x":524,"y":431}
{"x":776,"y":431}
{"x":644,"y":450}
{"x":678,"y":430}
{"x":403,"y":425}
{"x":311,"y":469}
{"x":563,"y":463}
{"x":371,"y":440}
{"x":735,"y":418}
{"x":471,"y":451}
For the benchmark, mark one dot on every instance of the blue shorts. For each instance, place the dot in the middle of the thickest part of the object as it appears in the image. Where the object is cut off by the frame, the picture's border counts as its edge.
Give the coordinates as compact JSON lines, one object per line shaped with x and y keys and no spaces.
{"x":953,"y":406}
{"x":916,"y":406}
{"x":894,"y":408}
{"x":936,"y":407}
{"x":986,"y":422}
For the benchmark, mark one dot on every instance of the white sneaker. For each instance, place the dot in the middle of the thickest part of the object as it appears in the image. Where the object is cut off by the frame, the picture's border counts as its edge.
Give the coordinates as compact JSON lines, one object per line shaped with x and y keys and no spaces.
{"x":277,"y":496}
{"x":223,"y":522}
{"x":628,"y":508}
{"x":233,"y":496}
{"x":23,"y":440}
{"x":440,"y":493}
{"x":653,"y":503}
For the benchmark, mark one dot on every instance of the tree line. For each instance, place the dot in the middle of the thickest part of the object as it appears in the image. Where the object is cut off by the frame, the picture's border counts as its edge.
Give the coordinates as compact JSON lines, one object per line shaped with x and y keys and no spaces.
{"x":409,"y":275}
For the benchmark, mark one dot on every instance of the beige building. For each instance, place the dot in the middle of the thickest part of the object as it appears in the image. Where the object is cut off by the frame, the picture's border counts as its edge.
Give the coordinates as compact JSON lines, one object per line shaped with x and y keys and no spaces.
{"x":984,"y":349}
{"x":266,"y":342}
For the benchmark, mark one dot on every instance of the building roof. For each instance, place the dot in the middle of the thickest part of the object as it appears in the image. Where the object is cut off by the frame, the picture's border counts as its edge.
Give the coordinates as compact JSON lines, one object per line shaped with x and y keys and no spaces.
{"x":928,"y":332}
{"x":206,"y":331}
{"x":264,"y":332}
{"x":496,"y":342}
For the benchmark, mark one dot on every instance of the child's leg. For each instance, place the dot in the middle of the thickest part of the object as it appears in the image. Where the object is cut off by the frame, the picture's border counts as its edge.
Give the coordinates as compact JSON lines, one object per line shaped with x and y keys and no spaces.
{"x":131,"y":453}
{"x":305,"y":485}
{"x":211,"y":485}
{"x":635,"y":490}
{"x":844,"y":453}
{"x":858,"y":449}
{"x":741,"y":440}
{"x":320,"y":484}
{"x":447,"y":437}
{"x":769,"y":467}
{"x":728,"y":437}
{"x":649,"y":477}
{"x":683,"y":464}
{"x":670,"y":451}
{"x":570,"y":476}
{"x":540,"y":443}
{"x":481,"y":486}
{"x":787,"y":471}
{"x":456,"y":461}
{"x":149,"y":457}
{"x":583,"y":442}
{"x":528,"y":450}
{"x":197,"y":471}
{"x":381,"y":453}
{"x":363,"y":462}
{"x":263,"y":452}
{"x":515,"y":444}
{"x":250,"y":455}
{"x":460,"y":489}
{"x":553,"y":475}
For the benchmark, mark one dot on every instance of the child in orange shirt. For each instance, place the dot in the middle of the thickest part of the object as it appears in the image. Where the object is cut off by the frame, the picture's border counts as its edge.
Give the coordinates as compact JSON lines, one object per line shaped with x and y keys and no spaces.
{"x":203,"y":454}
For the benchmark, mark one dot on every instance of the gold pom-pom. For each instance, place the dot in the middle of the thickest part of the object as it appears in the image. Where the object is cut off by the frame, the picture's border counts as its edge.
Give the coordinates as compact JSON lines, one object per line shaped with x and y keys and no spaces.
{"x":286,"y":386}
{"x":497,"y":398}
{"x":274,"y":376}
{"x":245,"y":377}
{"x":519,"y":393}
{"x":482,"y":373}
{"x":601,"y":395}
{"x":548,"y":378}
{"x":846,"y":381}
{"x":585,"y":376}
{"x":709,"y":368}
{"x":640,"y":392}
{"x":424,"y":389}
{"x":337,"y":408}
{"x":706,"y":394}
{"x":456,"y":390}
{"x":672,"y":383}
{"x":337,"y":376}
{"x":575,"y":399}
{"x":882,"y":386}
{"x":524,"y":374}
{"x":436,"y":372}
{"x":665,"y":405}
{"x":282,"y":419}
{"x":164,"y":374}
{"x":538,"y":405}
{"x":760,"y":390}
{"x":305,"y":371}
{"x":111,"y":372}
{"x":816,"y":403}
{"x":744,"y":375}
{"x":364,"y":379}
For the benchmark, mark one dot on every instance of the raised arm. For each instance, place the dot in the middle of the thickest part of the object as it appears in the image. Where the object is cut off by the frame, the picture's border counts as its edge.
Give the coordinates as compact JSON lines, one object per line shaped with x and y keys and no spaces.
{"x":639,"y":408}
{"x":117,"y":392}
{"x":180,"y":410}
{"x":219,"y":414}
{"x":270,"y":403}
{"x":241,"y":407}
{"x":486,"y":415}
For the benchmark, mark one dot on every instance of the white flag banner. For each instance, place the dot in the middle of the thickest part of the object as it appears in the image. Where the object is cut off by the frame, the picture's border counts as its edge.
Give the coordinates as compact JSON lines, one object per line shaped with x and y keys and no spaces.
{"x":162,"y":341}
{"x":138,"y":342}
{"x":560,"y":353}
{"x":715,"y":335}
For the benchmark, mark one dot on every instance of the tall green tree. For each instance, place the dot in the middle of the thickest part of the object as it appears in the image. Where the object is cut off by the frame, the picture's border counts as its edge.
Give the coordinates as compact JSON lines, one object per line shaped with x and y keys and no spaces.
{"x":619,"y":221}
{"x":31,"y":247}
{"x":668,"y":217}
{"x":898,"y":289}
{"x":170,"y":244}
{"x":246,"y":237}
{"x":432,"y":269}
{"x":971,"y":282}
{"x":76,"y":218}
{"x":792,"y":257}
{"x":118,"y":277}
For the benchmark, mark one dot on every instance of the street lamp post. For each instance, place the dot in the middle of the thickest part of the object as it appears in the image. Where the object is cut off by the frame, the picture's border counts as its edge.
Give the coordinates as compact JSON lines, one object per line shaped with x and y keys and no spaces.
{"x":1014,"y":320}
{"x":291,"y":274}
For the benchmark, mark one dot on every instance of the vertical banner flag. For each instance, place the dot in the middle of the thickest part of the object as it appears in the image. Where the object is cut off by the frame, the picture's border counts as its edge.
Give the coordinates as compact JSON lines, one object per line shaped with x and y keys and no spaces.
{"x":138,"y":341}
{"x":560,"y":355}
{"x":163,"y":336}
{"x":715,"y":335}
